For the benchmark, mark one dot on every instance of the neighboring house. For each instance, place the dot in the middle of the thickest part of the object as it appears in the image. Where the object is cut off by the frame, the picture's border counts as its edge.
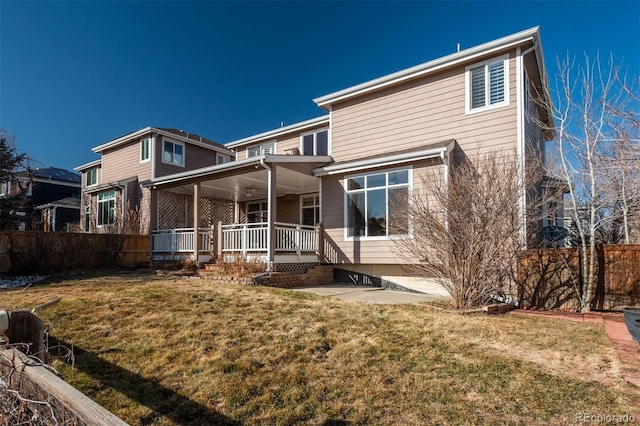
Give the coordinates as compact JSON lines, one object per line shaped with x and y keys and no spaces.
{"x":112,"y":196}
{"x":37,"y":187}
{"x":60,"y":215}
{"x":323,"y":190}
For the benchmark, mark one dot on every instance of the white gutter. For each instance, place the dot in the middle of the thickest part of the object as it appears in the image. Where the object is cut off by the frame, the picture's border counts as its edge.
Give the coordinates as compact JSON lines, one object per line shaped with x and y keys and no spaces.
{"x":428,"y":67}
{"x":383,"y":161}
{"x":296,"y":127}
{"x":135,"y":135}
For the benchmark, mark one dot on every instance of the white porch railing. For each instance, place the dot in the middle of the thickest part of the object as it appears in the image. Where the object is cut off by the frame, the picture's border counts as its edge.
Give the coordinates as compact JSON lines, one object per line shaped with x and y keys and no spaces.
{"x":252,"y":237}
{"x":180,"y":240}
{"x":248,"y":239}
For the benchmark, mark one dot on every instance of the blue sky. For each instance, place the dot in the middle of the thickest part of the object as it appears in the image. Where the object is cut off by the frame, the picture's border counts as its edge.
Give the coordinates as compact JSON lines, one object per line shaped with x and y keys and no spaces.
{"x":74,"y":75}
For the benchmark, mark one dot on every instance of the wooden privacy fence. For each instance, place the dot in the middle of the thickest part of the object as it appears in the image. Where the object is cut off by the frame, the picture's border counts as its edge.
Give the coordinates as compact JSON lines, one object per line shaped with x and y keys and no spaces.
{"x":552,"y":278}
{"x":31,"y":252}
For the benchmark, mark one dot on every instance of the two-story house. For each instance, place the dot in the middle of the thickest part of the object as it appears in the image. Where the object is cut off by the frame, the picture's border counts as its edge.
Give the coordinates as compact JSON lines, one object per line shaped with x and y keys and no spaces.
{"x":324,"y":190}
{"x":31,"y":189}
{"x":113,"y":199}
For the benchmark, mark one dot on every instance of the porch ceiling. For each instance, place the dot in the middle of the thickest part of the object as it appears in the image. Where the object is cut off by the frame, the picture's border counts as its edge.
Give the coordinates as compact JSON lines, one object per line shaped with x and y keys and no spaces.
{"x":249,"y":182}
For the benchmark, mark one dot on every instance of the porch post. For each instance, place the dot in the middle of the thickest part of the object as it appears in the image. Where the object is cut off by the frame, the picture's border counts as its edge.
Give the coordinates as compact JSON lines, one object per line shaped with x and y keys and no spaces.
{"x":153,"y":219}
{"x":271,"y":216}
{"x":196,"y":221}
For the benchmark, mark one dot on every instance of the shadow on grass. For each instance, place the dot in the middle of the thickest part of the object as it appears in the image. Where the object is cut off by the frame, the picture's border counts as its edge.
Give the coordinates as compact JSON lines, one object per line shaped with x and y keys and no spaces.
{"x":148,"y":392}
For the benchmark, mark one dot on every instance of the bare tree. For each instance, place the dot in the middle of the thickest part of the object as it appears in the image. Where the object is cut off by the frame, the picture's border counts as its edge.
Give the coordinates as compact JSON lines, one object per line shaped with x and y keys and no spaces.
{"x":590,"y":107}
{"x":467,"y":229}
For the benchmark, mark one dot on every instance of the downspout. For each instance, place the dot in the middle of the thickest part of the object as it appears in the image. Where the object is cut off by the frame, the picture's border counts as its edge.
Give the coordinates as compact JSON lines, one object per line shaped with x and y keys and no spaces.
{"x":521,"y":138}
{"x":269,"y":211}
{"x":445,"y":161}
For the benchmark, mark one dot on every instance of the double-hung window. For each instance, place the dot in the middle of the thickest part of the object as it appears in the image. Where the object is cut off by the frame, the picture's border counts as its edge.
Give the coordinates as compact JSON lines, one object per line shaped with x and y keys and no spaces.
{"x":262,"y":149}
{"x":315,"y":143}
{"x":107,"y":208}
{"x":173,"y":153}
{"x":145,"y":149}
{"x":488,"y":85}
{"x":376,"y":203}
{"x":310,"y":210}
{"x":92,"y":176}
{"x":257,"y":212}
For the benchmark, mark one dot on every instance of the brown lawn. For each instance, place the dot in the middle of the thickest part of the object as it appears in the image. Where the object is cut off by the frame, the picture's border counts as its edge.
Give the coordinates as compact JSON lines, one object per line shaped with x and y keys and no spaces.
{"x":171,"y":351}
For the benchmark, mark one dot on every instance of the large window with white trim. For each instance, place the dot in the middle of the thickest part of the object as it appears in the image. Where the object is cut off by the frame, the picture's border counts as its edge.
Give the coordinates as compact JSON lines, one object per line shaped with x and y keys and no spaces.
{"x":315,"y":143}
{"x":488,"y":84}
{"x":376,"y":203}
{"x":173,"y":153}
{"x":107,"y":208}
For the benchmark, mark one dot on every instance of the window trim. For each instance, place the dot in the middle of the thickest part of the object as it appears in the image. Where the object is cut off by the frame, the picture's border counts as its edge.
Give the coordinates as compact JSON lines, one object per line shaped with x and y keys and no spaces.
{"x":184,"y":152}
{"x":273,"y":150}
{"x":115,"y":210}
{"x":89,"y":172}
{"x":468,"y":89}
{"x":225,"y":158}
{"x":408,"y":185}
{"x":260,"y":210}
{"x":316,"y":197}
{"x":315,"y":140}
{"x":142,"y":150}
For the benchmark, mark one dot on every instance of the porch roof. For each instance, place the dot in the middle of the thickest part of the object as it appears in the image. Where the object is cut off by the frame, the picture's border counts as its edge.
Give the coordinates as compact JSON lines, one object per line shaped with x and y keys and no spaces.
{"x":246,"y":179}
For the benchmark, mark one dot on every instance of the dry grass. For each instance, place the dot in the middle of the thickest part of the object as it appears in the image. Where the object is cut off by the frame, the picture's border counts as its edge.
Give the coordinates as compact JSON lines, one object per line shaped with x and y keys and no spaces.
{"x":158,"y":351}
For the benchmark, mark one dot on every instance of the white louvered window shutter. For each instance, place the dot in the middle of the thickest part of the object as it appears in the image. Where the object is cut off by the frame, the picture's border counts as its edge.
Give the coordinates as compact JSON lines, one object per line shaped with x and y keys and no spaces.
{"x":496,"y":82}
{"x":477,"y":87}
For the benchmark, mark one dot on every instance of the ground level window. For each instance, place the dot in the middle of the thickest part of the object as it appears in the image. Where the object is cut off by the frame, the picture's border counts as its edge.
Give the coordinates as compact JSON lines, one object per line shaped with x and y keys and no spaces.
{"x":310,"y":210}
{"x":257,"y":212}
{"x":107,"y":208}
{"x":376,"y":204}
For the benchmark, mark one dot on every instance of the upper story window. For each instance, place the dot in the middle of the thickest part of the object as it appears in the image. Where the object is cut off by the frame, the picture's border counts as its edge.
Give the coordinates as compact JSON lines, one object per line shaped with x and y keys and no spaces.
{"x":262,"y":149}
{"x":376,"y":204}
{"x":92,"y":176}
{"x":173,"y":153}
{"x":221,"y":159}
{"x":145,"y":150}
{"x":315,"y":143}
{"x":487,"y":85}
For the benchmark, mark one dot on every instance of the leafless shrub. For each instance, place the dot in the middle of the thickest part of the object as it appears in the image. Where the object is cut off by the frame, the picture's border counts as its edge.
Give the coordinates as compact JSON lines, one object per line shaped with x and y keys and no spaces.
{"x":468,"y":228}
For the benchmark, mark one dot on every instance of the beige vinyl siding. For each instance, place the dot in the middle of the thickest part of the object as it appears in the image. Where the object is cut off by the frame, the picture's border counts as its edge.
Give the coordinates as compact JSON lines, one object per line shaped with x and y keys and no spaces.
{"x":340,"y":250}
{"x":287,"y":143}
{"x":287,"y":208}
{"x":123,"y":162}
{"x":195,"y":157}
{"x":422,"y":112}
{"x":284,"y":142}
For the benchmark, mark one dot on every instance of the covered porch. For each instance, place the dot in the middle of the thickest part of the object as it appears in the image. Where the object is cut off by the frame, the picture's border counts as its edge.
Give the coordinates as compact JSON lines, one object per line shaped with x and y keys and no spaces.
{"x":275,"y":218}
